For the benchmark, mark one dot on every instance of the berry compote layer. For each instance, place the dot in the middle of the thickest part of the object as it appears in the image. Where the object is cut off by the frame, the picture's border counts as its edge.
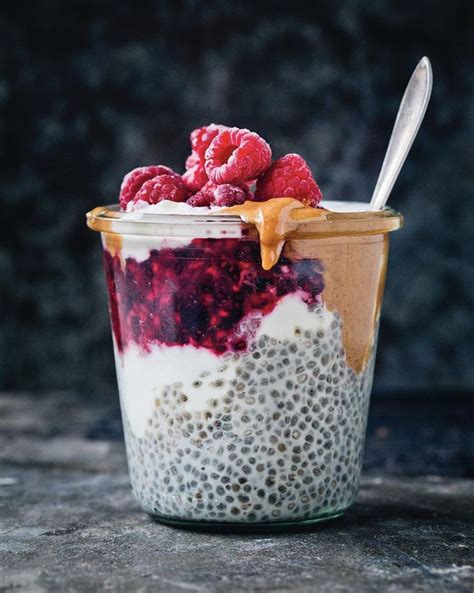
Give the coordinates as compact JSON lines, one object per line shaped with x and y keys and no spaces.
{"x":210,"y":293}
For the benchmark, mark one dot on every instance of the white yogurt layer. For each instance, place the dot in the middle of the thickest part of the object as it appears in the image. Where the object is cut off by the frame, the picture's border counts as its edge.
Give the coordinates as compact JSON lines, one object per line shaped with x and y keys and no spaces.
{"x":138,"y":247}
{"x":169,"y":207}
{"x":142,"y":376}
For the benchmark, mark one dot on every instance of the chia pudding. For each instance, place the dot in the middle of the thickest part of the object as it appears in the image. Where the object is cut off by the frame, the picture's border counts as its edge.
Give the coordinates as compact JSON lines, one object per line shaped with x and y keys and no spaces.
{"x":244,"y":336}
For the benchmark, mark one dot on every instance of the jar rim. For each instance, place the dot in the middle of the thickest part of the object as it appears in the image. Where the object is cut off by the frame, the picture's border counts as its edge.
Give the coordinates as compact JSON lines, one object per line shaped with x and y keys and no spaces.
{"x":360,"y":221}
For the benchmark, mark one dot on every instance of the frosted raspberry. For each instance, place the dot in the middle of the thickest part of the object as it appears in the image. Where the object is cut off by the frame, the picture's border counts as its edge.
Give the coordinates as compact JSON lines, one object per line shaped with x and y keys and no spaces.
{"x":192,"y":160}
{"x":201,"y":138}
{"x":201,"y":199}
{"x":220,"y":195}
{"x":230,"y":195}
{"x":237,"y":155}
{"x":134,"y":180}
{"x":195,"y":177}
{"x":205,"y":196}
{"x":289,"y":177}
{"x":162,"y":187}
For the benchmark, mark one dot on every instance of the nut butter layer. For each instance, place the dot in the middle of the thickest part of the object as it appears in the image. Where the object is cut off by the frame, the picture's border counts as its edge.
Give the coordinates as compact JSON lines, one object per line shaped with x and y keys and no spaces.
{"x":354,"y":277}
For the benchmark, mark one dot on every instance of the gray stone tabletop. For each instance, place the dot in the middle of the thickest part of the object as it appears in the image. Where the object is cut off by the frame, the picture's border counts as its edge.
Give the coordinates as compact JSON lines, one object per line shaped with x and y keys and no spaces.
{"x":68,"y":521}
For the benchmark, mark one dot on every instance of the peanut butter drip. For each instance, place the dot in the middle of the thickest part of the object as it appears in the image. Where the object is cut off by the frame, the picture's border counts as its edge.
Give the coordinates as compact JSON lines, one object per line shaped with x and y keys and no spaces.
{"x":274,"y":219}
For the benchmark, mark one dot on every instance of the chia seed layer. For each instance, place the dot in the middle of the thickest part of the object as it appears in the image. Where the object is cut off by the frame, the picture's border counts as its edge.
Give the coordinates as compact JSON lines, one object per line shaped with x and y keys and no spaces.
{"x":280,"y":441}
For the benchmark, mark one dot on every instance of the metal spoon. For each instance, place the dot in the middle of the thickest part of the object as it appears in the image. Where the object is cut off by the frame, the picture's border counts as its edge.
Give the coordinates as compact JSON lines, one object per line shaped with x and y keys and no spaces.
{"x":409,"y":117}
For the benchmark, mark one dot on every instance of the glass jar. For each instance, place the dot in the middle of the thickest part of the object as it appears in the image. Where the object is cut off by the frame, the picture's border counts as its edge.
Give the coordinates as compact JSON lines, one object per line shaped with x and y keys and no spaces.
{"x":244,"y":392}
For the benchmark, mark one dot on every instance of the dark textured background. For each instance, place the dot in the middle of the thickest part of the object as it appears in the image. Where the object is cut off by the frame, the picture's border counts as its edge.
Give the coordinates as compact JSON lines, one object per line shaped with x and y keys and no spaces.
{"x":91,"y":90}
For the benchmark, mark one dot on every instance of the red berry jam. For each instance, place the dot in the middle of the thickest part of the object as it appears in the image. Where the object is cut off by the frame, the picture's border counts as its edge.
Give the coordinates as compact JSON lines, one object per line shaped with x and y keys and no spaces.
{"x":210,"y":294}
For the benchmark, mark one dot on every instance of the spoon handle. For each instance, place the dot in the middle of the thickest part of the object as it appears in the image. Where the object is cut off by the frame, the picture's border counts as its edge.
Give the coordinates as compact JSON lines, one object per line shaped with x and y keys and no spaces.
{"x":409,"y":117}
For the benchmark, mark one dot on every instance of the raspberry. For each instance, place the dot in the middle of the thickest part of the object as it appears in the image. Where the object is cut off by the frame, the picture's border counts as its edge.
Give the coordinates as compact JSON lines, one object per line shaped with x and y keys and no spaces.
{"x":195,"y":177}
{"x":162,"y":187}
{"x":200,"y":199}
{"x":205,"y":196}
{"x":237,"y":155}
{"x":289,"y":177}
{"x":230,"y":195}
{"x":201,"y":138}
{"x":192,"y":160}
{"x":220,"y":195}
{"x":134,"y":180}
